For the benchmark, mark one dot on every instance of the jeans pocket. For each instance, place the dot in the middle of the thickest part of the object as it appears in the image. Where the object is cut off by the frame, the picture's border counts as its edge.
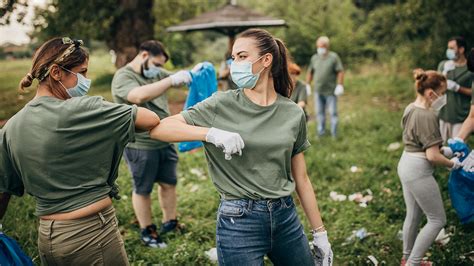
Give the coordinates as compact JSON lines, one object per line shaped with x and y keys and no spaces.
{"x":231,"y":210}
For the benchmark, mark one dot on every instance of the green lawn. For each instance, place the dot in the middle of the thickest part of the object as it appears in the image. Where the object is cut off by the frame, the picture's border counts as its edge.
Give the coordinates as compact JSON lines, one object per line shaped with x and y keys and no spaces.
{"x":370,"y":113}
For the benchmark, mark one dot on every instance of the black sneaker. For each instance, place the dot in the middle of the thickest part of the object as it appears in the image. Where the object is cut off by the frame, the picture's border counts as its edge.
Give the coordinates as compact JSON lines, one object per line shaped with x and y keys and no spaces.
{"x":171,"y":225}
{"x":151,"y":238}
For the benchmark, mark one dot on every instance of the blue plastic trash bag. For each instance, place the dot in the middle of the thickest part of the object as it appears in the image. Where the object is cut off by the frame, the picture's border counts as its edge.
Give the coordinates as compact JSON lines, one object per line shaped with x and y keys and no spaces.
{"x":202,"y":86}
{"x":461,"y":186}
{"x":11,"y":253}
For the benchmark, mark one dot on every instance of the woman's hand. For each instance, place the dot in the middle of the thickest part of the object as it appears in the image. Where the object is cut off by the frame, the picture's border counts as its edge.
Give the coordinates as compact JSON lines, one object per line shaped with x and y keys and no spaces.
{"x":322,"y":248}
{"x":230,"y":142}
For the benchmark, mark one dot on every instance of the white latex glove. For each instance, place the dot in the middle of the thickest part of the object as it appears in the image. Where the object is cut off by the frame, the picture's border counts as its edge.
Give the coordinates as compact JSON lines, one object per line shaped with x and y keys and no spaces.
{"x":181,"y":77}
{"x":308,"y":89}
{"x":196,"y":68}
{"x":230,"y":142}
{"x":468,"y":163}
{"x":446,"y":151}
{"x":322,"y":248}
{"x":457,"y":164}
{"x":453,"y":85}
{"x":339,"y":90}
{"x":448,"y":66}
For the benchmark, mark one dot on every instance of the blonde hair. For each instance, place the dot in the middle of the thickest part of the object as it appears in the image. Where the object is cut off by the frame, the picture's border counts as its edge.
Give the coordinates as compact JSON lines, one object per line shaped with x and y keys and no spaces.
{"x":323,"y":40}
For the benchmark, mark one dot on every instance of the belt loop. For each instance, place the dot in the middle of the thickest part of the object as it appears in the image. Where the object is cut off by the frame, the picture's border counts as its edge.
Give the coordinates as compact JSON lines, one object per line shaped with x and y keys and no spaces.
{"x":282,"y":201}
{"x":250,"y":205}
{"x":101,"y":216}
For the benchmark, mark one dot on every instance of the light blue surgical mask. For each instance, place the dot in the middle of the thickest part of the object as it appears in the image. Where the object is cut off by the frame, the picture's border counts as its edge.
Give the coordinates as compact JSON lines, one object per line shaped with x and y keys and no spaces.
{"x":242,"y":75}
{"x":451,"y":54}
{"x":151,"y":72}
{"x":82,"y":87}
{"x":322,"y":50}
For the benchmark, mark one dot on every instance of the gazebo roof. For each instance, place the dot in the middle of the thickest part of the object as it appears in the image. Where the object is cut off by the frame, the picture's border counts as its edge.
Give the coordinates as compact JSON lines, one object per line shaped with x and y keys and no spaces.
{"x":230,"y":20}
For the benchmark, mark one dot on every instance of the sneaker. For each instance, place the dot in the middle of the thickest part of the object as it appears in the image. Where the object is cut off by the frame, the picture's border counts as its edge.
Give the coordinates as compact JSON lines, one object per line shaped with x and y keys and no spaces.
{"x":426,"y":263}
{"x":171,"y":225}
{"x":403,"y":262}
{"x":151,"y":238}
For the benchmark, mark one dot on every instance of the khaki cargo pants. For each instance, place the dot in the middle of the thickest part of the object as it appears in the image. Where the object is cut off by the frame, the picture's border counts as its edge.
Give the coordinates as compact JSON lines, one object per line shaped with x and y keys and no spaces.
{"x":93,"y":240}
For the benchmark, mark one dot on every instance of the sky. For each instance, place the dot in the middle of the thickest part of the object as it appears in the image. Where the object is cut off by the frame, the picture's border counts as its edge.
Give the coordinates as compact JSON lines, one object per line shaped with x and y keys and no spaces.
{"x":15,"y":32}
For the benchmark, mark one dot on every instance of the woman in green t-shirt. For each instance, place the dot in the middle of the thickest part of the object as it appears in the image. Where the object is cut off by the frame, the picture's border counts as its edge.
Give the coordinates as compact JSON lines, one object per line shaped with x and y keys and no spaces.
{"x":422,"y":139}
{"x":256,"y":215}
{"x":64,"y":149}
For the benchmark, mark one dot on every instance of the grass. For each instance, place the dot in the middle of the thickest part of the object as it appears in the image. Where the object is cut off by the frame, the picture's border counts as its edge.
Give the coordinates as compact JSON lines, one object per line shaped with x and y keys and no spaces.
{"x":370,"y":113}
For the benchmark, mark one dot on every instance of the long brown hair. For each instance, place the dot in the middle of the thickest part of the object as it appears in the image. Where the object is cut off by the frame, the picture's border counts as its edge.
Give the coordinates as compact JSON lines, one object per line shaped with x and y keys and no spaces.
{"x":266,"y":43}
{"x":65,"y":52}
{"x":428,"y":79}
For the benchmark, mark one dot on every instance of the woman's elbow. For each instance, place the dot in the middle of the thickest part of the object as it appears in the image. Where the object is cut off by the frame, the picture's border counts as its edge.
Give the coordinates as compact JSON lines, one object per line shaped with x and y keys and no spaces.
{"x":431,"y":157}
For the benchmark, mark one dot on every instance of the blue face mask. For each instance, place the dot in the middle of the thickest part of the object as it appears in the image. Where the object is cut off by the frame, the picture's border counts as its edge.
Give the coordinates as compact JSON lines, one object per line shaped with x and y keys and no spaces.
{"x":451,"y":54}
{"x":242,"y":75}
{"x":151,"y":72}
{"x":82,"y":87}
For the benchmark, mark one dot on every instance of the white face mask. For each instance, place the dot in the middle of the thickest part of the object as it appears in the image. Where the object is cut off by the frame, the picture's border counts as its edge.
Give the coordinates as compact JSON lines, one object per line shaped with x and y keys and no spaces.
{"x":322,"y":50}
{"x":439,"y":103}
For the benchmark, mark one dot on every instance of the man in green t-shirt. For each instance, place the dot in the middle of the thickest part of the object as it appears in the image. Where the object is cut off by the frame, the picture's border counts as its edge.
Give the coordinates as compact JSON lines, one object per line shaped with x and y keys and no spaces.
{"x":453,"y":114}
{"x":326,"y":69}
{"x":144,"y":82}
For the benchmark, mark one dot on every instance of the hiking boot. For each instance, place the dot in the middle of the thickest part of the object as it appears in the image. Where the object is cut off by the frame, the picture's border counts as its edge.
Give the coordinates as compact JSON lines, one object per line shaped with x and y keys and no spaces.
{"x":171,"y":225}
{"x":151,"y":238}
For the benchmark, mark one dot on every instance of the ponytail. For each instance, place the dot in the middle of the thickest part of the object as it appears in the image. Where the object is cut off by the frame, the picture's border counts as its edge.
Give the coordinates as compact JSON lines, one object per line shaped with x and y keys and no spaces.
{"x":280,"y":74}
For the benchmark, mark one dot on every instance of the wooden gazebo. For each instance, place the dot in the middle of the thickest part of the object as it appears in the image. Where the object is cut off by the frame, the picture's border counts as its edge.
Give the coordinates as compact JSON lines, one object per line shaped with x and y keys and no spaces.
{"x":229,"y":20}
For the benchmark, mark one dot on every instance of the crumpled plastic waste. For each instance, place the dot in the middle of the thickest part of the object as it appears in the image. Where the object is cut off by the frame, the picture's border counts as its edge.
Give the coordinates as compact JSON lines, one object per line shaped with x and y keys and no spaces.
{"x":443,"y":237}
{"x":212,"y":254}
{"x":394,"y":146}
{"x":336,"y":196}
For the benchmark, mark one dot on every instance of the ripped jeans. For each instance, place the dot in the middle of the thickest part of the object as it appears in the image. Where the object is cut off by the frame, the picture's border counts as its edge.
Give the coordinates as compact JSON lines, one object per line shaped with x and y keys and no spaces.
{"x":247,"y":230}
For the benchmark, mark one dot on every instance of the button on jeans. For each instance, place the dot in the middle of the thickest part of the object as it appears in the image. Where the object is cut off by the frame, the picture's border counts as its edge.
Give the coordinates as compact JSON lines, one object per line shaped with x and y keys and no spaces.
{"x":247,"y":230}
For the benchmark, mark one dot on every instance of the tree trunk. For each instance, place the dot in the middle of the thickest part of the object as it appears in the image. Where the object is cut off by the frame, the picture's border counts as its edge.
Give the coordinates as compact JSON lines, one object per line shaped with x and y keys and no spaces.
{"x":133,"y":26}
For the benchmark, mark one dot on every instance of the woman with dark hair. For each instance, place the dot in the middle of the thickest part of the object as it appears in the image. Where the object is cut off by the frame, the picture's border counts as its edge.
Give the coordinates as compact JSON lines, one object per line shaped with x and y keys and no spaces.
{"x":257,"y":215}
{"x":64,"y":149}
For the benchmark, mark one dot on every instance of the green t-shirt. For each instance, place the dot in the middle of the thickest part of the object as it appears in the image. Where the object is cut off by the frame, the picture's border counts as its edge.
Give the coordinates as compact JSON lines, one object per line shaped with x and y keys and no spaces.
{"x":458,"y":105}
{"x":325,"y":69}
{"x":125,"y":80}
{"x":420,"y":129}
{"x":272,"y":135}
{"x":66,"y":154}
{"x":299,"y":92}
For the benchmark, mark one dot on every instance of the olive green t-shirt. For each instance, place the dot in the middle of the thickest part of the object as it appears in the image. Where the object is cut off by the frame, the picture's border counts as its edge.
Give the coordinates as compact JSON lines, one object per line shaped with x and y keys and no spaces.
{"x":65,"y":153}
{"x":272,"y":135}
{"x":458,"y":105}
{"x":420,"y":129}
{"x":325,"y":69}
{"x":299,"y":92}
{"x":125,"y":80}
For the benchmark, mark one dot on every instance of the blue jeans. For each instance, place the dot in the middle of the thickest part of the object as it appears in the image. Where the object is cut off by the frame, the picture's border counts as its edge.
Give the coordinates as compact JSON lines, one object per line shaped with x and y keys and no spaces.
{"x":247,"y":230}
{"x":322,"y":102}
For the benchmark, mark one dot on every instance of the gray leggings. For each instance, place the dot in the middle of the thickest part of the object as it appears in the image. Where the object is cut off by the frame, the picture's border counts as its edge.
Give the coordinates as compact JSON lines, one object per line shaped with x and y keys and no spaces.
{"x":422,"y":195}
